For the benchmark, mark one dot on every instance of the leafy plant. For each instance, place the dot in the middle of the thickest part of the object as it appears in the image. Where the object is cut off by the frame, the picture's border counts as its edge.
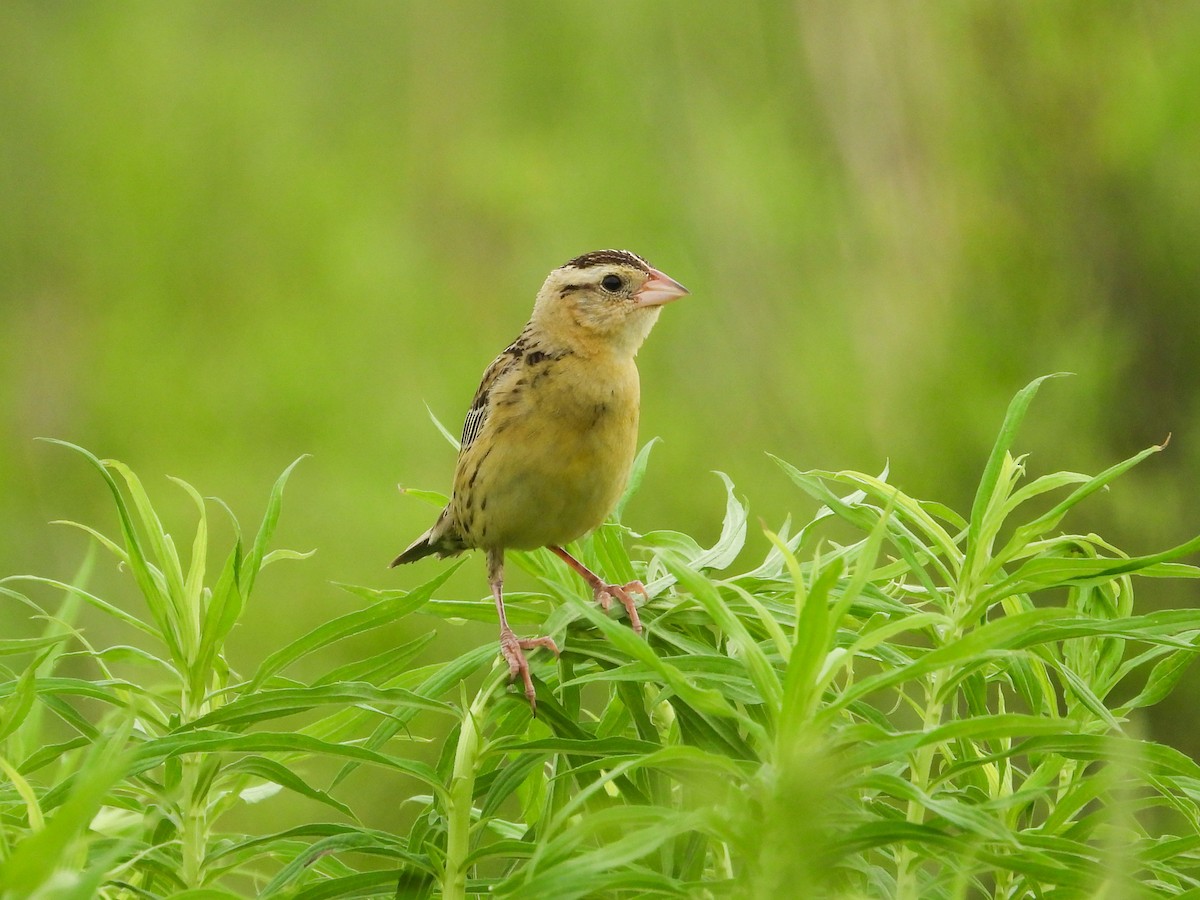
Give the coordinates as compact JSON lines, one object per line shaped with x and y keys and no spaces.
{"x":941,"y":706}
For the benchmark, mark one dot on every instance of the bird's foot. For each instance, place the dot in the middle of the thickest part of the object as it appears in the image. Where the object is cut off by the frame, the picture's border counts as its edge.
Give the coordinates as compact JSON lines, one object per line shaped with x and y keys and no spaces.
{"x":606,"y":592}
{"x":512,"y":648}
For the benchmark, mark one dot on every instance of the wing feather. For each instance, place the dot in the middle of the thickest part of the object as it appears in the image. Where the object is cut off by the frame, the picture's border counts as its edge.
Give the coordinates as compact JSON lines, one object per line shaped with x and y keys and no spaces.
{"x":482,"y":403}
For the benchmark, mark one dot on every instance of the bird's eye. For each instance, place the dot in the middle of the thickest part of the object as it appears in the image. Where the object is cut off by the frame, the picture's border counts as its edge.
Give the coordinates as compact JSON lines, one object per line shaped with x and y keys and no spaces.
{"x":611,"y":283}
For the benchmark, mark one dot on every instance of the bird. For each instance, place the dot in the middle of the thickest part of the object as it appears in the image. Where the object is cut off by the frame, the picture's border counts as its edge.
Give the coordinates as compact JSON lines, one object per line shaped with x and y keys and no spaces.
{"x":551,"y":433}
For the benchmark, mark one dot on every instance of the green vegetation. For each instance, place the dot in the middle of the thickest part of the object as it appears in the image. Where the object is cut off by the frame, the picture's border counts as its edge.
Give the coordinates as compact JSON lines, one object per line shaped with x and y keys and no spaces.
{"x":939,"y":706}
{"x":234,"y":233}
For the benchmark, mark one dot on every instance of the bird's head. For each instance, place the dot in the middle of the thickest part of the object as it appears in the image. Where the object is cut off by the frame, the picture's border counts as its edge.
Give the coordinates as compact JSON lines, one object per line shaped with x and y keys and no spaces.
{"x":607,"y":297}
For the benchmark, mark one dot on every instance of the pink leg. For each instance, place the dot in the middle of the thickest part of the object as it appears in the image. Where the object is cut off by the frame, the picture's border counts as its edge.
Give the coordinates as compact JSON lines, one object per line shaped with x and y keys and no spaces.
{"x":605,"y":592}
{"x":510,"y":645}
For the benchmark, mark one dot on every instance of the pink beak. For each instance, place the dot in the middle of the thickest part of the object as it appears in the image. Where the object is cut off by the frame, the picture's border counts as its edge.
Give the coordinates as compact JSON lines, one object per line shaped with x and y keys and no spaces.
{"x":660,"y":288}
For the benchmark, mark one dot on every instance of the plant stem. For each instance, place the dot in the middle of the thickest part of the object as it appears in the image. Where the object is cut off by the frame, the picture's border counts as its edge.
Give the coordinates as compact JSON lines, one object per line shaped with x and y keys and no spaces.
{"x":194,"y":810}
{"x":906,"y":880}
{"x":193,"y":826}
{"x":462,"y":790}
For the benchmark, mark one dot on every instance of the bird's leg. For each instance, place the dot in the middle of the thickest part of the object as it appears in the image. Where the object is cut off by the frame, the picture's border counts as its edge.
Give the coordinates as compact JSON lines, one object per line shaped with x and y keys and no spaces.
{"x":605,"y":592}
{"x":510,"y":645}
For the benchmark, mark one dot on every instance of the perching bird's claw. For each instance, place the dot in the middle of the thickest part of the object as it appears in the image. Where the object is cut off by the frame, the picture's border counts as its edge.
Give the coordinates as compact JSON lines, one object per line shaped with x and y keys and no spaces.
{"x":606,"y":592}
{"x":512,"y":649}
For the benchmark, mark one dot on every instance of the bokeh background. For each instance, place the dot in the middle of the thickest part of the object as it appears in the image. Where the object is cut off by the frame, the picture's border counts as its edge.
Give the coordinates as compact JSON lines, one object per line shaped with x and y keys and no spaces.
{"x":234,"y":233}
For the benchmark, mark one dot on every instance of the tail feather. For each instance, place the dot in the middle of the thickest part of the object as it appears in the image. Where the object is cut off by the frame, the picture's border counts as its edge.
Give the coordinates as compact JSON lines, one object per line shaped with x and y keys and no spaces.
{"x":418,"y":549}
{"x":443,"y":539}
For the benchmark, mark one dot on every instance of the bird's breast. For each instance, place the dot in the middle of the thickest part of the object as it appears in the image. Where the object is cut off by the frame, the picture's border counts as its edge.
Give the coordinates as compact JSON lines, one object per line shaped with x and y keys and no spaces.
{"x":553,"y":458}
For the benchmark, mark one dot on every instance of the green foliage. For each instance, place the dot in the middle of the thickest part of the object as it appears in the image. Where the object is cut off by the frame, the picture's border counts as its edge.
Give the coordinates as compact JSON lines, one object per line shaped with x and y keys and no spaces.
{"x":935,"y":706}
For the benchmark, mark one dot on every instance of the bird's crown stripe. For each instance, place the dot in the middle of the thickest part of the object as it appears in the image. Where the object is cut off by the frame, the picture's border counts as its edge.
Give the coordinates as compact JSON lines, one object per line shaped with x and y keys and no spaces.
{"x":600,"y":257}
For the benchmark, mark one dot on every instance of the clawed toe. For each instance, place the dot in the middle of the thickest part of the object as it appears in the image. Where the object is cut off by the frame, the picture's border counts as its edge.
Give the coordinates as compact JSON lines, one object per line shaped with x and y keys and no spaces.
{"x":534,"y":643}
{"x":606,"y":592}
{"x":639,"y":587}
{"x":512,"y":649}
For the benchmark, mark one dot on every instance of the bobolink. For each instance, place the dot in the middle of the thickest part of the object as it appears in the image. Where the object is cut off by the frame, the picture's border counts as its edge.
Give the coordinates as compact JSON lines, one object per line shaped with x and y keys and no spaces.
{"x":551,"y":434}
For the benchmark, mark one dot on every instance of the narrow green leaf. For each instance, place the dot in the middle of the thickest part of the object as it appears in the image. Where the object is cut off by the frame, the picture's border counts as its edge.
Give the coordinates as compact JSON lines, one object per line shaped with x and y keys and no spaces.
{"x":155,"y":752}
{"x":284,"y":554}
{"x":733,"y":532}
{"x":445,"y":432}
{"x":636,"y":473}
{"x":759,"y":668}
{"x":147,"y":579}
{"x":34,"y":860}
{"x":1163,"y":678}
{"x":583,"y":746}
{"x":572,"y":864}
{"x":277,"y":773}
{"x":442,"y":678}
{"x":509,"y":778}
{"x":15,"y":646}
{"x":254,"y":559}
{"x":984,"y":495}
{"x":263,"y":705}
{"x":809,"y":652}
{"x":223,"y":610}
{"x":867,"y":745}
{"x":1026,"y":534}
{"x":706,"y":700}
{"x":380,"y":667}
{"x":407,"y":883}
{"x":384,"y":612}
{"x":998,"y":635}
{"x":172,"y":593}
{"x":813,"y":484}
{"x":28,"y":797}
{"x":433,"y":498}
{"x":17,"y":706}
{"x":295,"y":869}
{"x":521,"y":609}
{"x":102,"y":605}
{"x":722,"y":553}
{"x":103,"y":540}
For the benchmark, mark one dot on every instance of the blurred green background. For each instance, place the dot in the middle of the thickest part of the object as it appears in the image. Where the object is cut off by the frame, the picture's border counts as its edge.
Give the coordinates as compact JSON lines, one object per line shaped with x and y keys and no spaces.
{"x":232,"y":233}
